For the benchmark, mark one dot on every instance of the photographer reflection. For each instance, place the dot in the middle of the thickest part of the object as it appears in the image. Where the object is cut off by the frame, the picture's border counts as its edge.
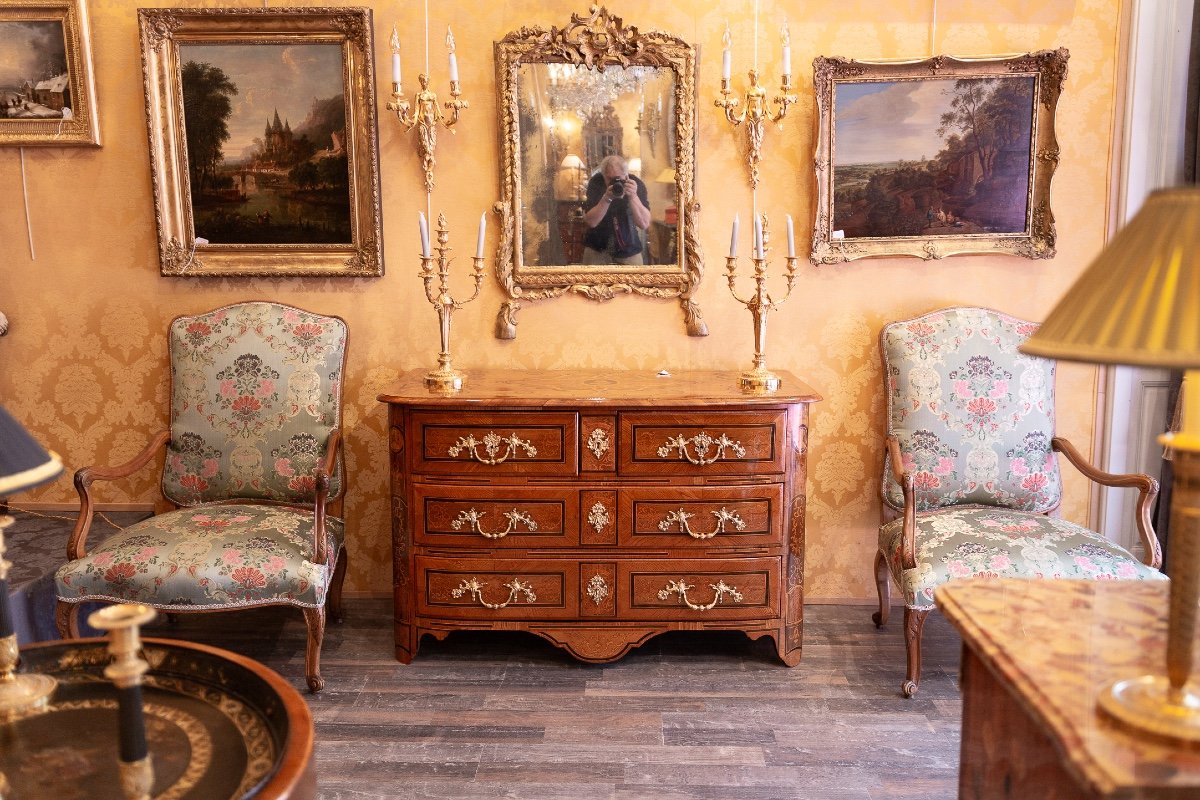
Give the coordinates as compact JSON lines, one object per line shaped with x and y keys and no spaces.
{"x":617,"y":208}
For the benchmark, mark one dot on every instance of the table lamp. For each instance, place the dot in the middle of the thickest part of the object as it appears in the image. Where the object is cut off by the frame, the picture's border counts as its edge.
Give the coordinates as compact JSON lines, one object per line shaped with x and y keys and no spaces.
{"x":24,"y":464}
{"x":1138,"y":303}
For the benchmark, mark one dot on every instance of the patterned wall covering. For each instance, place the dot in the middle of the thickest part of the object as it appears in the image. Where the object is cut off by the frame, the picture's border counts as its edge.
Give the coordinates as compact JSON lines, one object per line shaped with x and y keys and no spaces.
{"x":85,"y":365}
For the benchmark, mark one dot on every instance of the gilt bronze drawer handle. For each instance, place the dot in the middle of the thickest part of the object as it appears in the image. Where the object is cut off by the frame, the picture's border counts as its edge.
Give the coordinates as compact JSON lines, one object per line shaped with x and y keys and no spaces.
{"x":475,"y":589}
{"x":681,"y":588}
{"x":597,"y":589}
{"x":681,"y":518}
{"x":471,"y":518}
{"x":491,"y":447}
{"x":702,"y":443}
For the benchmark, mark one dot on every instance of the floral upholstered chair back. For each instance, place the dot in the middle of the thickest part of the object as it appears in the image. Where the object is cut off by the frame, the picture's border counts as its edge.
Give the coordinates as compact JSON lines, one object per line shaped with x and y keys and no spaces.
{"x":255,"y":393}
{"x":973,"y":416}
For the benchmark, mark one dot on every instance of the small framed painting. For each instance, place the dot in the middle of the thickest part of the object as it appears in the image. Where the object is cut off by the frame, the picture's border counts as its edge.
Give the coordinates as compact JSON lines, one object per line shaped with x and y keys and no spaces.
{"x":936,"y":157}
{"x":47,"y":94}
{"x":263,"y":143}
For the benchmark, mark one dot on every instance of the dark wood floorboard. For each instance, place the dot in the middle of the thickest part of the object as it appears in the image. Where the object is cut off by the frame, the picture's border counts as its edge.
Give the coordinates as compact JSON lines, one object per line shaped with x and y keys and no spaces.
{"x":689,"y":715}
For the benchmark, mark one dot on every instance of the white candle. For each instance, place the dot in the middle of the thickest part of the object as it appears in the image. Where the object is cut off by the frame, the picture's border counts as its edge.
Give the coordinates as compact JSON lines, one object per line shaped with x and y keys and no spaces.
{"x":758,"y":242}
{"x":479,"y":241}
{"x":791,"y":238}
{"x":733,"y":238}
{"x":395,"y":56}
{"x":726,"y":54}
{"x":424,"y":234}
{"x":453,"y":58}
{"x":787,"y":50}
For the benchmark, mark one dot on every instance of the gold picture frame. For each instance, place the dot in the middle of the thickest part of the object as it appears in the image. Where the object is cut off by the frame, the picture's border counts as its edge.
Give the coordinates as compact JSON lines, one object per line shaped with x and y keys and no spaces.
{"x":296,"y":197}
{"x":937,"y":157}
{"x":47,"y":91}
{"x":609,"y":55}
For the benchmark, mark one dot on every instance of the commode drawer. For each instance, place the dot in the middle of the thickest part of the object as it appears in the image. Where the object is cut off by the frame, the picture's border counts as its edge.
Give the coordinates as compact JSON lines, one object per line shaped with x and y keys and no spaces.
{"x":488,"y":589}
{"x":733,"y":588}
{"x":504,"y":445}
{"x":701,"y":516}
{"x":495,"y":516}
{"x":701,"y":444}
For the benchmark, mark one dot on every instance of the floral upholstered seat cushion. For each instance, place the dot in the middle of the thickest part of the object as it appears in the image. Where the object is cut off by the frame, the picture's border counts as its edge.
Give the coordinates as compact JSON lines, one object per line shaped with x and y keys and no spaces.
{"x":992,"y":542}
{"x":216,"y":556}
{"x":972,"y":415}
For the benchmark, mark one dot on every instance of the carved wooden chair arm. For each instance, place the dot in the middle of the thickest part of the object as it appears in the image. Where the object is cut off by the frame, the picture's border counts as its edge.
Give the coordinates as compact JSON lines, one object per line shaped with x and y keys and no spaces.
{"x":1147,"y":492}
{"x":908,"y":546}
{"x":84,"y":478}
{"x":322,"y":473}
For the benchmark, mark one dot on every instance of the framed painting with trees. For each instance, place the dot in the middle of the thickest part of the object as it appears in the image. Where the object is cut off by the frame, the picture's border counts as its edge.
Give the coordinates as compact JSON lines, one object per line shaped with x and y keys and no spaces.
{"x":936,"y":157}
{"x":47,"y":93}
{"x":263,"y":144}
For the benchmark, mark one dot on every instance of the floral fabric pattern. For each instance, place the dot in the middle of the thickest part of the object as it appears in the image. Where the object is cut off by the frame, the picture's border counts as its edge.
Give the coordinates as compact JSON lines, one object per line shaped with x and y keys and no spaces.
{"x":994,"y":543}
{"x":956,"y":378}
{"x":217,"y":556}
{"x":250,"y":384}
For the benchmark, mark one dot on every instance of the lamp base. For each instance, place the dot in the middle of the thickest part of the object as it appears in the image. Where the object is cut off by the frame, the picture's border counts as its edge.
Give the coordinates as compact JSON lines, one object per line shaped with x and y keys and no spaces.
{"x":755,"y":381}
{"x":24,"y":694}
{"x":1149,"y":704}
{"x":444,"y":380}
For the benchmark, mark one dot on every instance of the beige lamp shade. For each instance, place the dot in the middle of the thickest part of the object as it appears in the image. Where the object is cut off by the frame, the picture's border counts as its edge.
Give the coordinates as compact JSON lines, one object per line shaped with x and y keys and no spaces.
{"x":571,"y":161}
{"x":1139,"y":301}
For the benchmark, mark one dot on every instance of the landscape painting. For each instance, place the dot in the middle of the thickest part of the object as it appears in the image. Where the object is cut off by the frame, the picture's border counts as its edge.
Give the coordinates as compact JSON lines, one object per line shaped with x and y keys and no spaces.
{"x":47,"y":96}
{"x":263,"y":140}
{"x":939,"y":160}
{"x":266,"y":132}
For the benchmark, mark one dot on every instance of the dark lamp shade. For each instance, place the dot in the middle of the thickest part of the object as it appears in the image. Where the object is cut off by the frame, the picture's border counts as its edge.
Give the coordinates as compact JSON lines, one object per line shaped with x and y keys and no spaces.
{"x":1139,"y":301}
{"x":24,"y":463}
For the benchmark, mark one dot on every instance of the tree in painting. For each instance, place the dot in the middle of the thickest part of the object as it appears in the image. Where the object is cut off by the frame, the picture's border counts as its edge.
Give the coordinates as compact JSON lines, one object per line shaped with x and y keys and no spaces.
{"x":206,"y":107}
{"x":977,"y":181}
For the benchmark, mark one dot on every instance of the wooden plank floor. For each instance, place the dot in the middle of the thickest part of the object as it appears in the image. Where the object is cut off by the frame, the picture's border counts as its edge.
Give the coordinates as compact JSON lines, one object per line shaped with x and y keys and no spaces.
{"x":689,"y":715}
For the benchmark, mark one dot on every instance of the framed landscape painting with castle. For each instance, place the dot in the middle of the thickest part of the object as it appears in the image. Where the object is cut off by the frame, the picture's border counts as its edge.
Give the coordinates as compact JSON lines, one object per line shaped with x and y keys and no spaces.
{"x":263,"y":140}
{"x":936,"y":157}
{"x":47,"y":93}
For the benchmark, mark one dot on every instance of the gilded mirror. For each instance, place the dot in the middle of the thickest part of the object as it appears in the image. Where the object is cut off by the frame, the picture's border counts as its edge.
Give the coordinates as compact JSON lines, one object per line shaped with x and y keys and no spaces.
{"x":598,"y":165}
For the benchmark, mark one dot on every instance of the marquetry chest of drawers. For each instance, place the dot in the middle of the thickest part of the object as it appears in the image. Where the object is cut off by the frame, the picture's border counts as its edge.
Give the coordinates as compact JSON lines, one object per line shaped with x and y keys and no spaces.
{"x":598,"y":508}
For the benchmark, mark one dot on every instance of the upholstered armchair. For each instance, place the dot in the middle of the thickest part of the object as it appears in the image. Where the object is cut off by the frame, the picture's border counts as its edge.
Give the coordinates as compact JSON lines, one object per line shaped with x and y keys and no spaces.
{"x":970,"y":475}
{"x":252,"y":463}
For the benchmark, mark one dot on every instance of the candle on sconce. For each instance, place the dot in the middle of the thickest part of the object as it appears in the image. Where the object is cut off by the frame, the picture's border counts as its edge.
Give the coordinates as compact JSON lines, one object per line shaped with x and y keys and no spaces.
{"x":733,"y":238}
{"x":791,"y":234}
{"x":786,"y":36}
{"x":479,"y":241}
{"x":424,"y":225}
{"x":396,"y":58}
{"x":726,"y":54}
{"x":453,"y":58}
{"x":758,"y":237}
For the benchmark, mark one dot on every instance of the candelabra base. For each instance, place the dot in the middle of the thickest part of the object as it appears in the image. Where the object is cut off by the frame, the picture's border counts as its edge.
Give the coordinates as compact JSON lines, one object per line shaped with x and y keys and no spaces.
{"x":24,"y":694}
{"x":1149,"y":704}
{"x":445,"y":380}
{"x":764,"y":381}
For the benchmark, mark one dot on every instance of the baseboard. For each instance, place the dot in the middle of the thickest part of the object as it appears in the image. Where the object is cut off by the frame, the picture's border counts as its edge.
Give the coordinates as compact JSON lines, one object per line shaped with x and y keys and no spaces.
{"x":75,"y":506}
{"x":847,"y":601}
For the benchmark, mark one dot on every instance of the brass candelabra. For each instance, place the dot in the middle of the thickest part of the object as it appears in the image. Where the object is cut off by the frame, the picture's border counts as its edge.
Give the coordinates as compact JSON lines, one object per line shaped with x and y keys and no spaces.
{"x":756,"y":110}
{"x":423,"y":113}
{"x":446,"y":377}
{"x":760,"y":303}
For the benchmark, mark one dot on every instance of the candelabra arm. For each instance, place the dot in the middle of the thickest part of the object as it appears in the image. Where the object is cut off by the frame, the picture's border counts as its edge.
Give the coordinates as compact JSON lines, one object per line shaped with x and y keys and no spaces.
{"x":454,"y":106}
{"x":731,"y":274}
{"x":729,"y":103}
{"x":784,"y":99}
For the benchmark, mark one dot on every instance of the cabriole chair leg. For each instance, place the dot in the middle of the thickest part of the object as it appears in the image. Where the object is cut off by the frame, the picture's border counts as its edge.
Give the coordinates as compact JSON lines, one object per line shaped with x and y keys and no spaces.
{"x":914,"y":623}
{"x":314,"y":618}
{"x":884,"y":588}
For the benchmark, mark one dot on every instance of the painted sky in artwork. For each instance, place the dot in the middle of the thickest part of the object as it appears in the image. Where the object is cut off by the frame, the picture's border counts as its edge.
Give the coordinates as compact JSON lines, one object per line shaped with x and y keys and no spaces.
{"x":270,"y":77}
{"x":888,"y":120}
{"x":31,"y":50}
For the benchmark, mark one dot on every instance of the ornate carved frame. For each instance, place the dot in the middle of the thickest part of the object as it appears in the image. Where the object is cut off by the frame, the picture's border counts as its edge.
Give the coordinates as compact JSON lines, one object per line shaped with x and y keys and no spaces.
{"x":597,"y":40}
{"x":162,"y":30}
{"x":83,"y":128}
{"x":1047,"y":67}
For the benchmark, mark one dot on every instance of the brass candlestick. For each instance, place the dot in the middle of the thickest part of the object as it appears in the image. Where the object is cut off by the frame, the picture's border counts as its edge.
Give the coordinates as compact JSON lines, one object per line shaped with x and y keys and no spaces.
{"x":445,"y":377}
{"x":19,"y":694}
{"x":427,"y":114}
{"x":756,"y":111}
{"x":126,"y":671}
{"x":760,"y":379}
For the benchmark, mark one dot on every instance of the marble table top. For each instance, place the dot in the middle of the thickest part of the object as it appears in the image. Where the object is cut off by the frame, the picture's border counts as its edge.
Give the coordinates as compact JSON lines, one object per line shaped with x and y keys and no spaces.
{"x":1057,"y":644}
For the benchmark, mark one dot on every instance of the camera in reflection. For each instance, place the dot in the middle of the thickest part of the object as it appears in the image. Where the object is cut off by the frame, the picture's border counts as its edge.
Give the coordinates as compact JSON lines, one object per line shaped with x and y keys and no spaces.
{"x":617,"y":186}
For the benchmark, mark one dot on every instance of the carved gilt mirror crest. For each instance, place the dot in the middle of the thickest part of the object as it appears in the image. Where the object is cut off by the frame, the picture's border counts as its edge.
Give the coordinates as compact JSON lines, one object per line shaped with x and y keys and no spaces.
{"x":581,"y":106}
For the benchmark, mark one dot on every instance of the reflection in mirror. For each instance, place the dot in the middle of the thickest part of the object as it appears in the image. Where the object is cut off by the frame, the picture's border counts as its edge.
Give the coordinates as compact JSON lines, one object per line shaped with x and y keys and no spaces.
{"x":580,"y":117}
{"x":598,"y":145}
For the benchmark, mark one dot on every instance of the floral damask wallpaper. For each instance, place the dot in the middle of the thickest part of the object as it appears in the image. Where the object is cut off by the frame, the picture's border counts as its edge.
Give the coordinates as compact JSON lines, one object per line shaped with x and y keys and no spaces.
{"x":84,"y":365}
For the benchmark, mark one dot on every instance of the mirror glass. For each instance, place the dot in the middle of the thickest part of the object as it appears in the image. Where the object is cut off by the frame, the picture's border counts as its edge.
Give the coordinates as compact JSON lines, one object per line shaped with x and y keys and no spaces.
{"x":597,"y":165}
{"x":576,"y":117}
